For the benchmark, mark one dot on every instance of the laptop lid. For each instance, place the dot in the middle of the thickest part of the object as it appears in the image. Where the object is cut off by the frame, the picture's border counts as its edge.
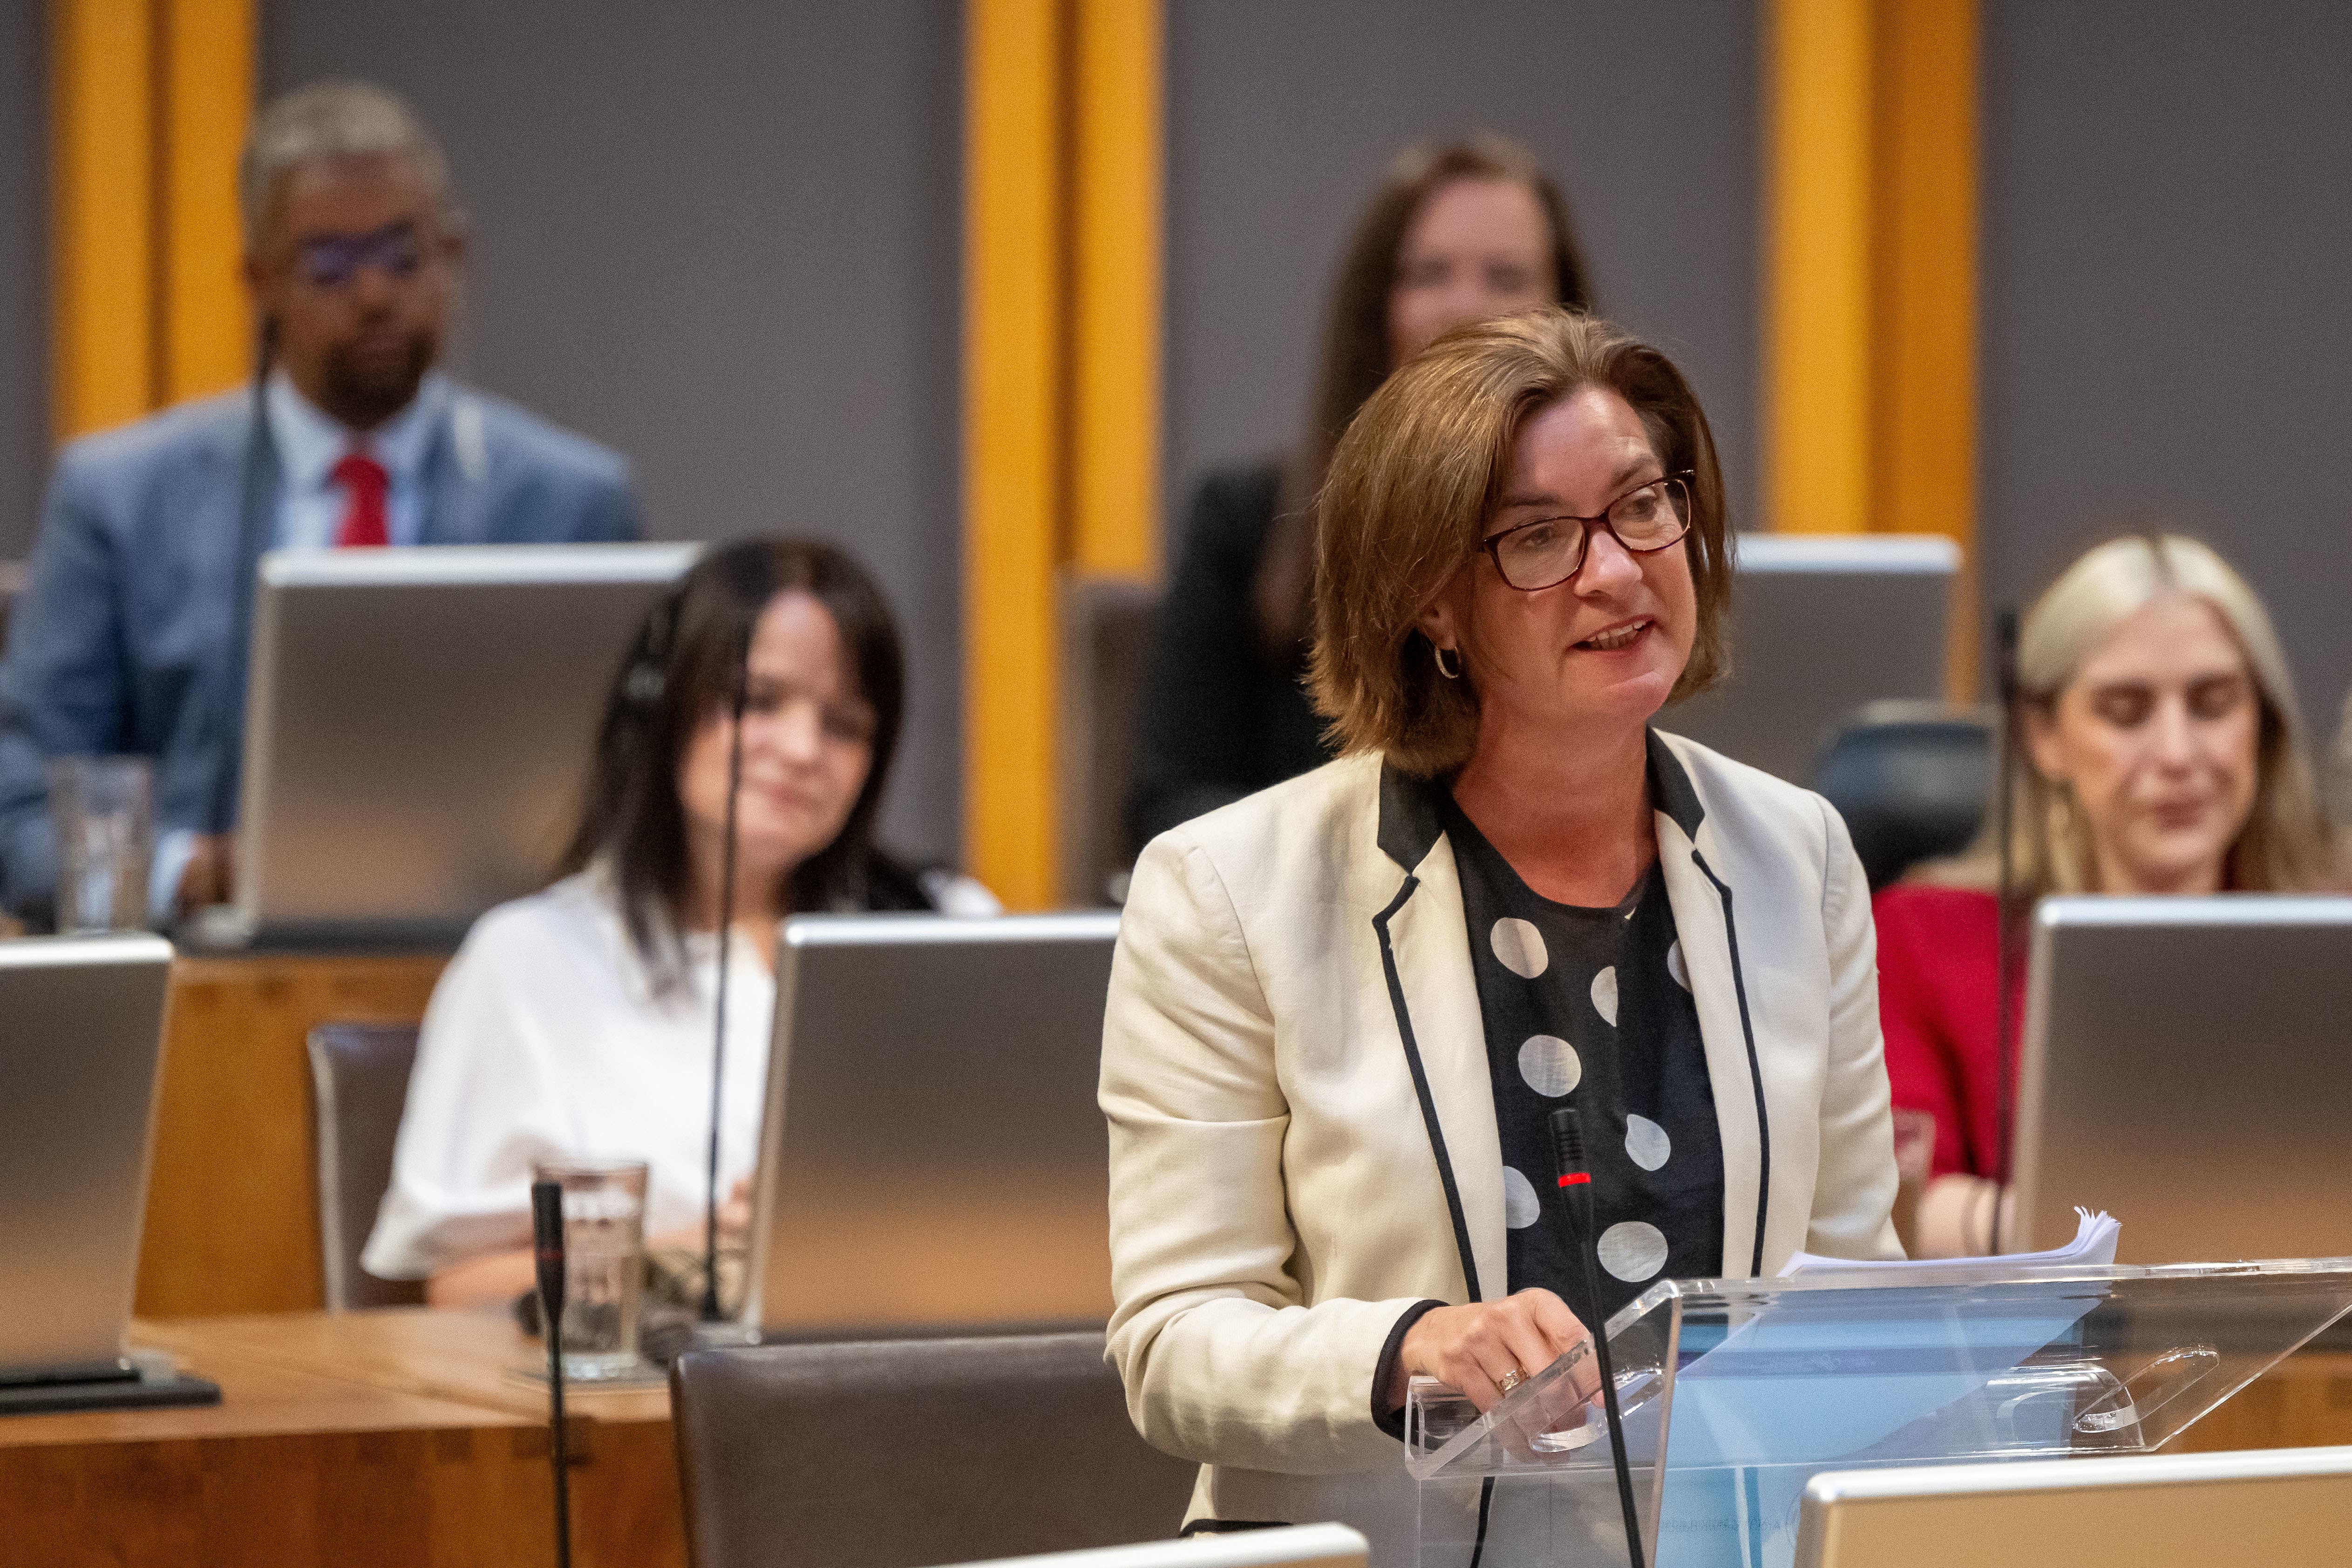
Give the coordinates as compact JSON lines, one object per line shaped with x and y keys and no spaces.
{"x":1821,"y":624}
{"x":81,"y":1033}
{"x":419,"y":726}
{"x":932,"y":1153}
{"x":1256,"y":1546}
{"x":2282,"y":1508}
{"x":2186,"y":1066}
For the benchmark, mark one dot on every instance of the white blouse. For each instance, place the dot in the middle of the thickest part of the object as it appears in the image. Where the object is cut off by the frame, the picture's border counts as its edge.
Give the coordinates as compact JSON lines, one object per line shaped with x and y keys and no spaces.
{"x":545,"y":1039}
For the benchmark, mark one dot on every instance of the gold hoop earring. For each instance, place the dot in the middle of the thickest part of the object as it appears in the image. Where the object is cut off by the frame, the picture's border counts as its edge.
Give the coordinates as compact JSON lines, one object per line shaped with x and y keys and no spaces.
{"x":1452,"y":671}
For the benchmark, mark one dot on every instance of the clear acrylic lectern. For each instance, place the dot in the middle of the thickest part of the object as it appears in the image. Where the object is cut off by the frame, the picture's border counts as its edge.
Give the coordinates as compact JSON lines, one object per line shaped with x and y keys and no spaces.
{"x":1735,"y":1393}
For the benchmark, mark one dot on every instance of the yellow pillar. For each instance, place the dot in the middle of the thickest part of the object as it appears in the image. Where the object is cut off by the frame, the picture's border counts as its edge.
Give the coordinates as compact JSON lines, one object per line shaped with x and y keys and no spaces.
{"x":1115,"y":411}
{"x":1870,"y":252}
{"x":102,"y":193}
{"x":1014,"y":459}
{"x":1062,"y":308}
{"x":1924,"y":475}
{"x":206,"y":343}
{"x":150,"y":99}
{"x":1818,"y":299}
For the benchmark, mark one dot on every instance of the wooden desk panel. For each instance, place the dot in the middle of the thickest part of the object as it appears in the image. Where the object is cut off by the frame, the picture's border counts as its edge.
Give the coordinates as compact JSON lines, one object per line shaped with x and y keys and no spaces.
{"x":2305,"y":1401}
{"x":398,"y":1438}
{"x":323,"y":1451}
{"x":469,"y":1356}
{"x":289,"y":1468}
{"x":232,"y":1210}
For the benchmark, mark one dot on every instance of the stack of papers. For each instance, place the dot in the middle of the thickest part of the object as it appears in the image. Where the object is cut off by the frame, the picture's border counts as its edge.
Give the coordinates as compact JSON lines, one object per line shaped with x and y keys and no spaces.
{"x":2094,"y":1243}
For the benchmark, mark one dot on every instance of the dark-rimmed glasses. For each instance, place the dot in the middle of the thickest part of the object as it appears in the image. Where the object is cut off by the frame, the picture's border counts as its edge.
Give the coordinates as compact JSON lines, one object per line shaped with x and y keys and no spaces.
{"x":329,"y":261}
{"x":1547,"y":552}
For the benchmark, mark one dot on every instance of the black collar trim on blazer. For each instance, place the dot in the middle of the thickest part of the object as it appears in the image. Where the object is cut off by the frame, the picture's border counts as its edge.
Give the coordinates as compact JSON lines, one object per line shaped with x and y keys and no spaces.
{"x":1409,"y":828}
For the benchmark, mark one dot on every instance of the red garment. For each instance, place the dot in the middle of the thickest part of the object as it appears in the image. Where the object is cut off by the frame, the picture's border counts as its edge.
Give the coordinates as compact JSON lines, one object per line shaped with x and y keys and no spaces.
{"x":363,"y":479}
{"x":1939,"y":953}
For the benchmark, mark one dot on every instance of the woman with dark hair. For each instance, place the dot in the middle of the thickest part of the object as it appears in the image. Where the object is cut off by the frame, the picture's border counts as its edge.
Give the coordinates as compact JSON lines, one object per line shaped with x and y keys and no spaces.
{"x":577,"y":1022}
{"x":1459,"y":233}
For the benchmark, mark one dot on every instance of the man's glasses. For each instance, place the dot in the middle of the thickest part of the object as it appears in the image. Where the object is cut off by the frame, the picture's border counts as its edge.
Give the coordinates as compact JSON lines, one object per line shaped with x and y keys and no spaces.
{"x":1550,"y":550}
{"x":329,"y":261}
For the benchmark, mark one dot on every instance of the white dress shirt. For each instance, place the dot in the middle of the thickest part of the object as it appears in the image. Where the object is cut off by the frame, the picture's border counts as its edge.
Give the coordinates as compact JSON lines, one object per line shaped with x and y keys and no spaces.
{"x":310,"y":441}
{"x":545,"y":1039}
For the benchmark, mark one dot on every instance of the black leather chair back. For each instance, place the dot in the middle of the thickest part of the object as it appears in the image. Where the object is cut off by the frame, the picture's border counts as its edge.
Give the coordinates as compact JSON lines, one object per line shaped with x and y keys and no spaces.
{"x":1912,"y":780}
{"x":1108,"y":628}
{"x":903,"y":1453}
{"x":359,"y":1085}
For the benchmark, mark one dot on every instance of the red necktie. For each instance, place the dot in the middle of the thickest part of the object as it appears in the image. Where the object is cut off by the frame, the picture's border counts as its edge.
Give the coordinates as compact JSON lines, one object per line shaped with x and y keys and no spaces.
{"x":365,"y":481}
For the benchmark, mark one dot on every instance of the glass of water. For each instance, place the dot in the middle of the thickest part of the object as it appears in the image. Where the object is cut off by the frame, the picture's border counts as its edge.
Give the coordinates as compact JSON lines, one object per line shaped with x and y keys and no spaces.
{"x":104,"y":809}
{"x":604,"y":1264}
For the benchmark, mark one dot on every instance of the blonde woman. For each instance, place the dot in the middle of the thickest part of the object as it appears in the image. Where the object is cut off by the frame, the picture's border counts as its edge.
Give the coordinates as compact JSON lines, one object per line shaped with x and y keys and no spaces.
{"x":2161,"y":753}
{"x":1344,"y":1008}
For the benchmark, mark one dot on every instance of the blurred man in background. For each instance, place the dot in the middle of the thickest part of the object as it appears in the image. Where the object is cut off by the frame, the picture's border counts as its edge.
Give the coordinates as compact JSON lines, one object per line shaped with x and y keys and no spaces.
{"x":129,"y":635}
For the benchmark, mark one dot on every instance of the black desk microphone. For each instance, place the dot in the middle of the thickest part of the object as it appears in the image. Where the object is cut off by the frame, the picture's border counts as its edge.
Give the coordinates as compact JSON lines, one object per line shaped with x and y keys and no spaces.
{"x":1576,"y":1195}
{"x":2005,"y":769}
{"x":710,"y":1328}
{"x":738,"y":700}
{"x":547,"y":1232}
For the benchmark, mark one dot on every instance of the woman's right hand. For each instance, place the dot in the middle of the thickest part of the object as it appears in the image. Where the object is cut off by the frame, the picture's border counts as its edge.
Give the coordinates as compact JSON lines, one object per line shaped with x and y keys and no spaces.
{"x":1473,"y":1348}
{"x":1956,"y":1214}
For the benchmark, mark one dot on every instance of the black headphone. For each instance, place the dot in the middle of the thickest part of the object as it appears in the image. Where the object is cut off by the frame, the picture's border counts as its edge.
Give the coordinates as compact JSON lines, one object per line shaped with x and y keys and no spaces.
{"x":647,"y":680}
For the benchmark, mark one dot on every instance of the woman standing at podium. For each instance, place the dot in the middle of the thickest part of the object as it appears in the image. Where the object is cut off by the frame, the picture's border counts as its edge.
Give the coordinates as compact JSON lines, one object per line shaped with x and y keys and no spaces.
{"x":2161,"y":753}
{"x":578,"y":1021}
{"x":1343,"y":1008}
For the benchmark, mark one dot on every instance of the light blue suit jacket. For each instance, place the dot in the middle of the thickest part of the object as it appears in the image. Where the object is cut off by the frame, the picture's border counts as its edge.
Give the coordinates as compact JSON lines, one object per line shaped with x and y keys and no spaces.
{"x":123,"y":639}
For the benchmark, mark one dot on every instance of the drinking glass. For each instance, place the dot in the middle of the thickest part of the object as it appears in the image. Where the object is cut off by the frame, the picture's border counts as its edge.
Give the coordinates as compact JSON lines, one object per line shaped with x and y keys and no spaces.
{"x":604,"y":1264}
{"x":104,"y":809}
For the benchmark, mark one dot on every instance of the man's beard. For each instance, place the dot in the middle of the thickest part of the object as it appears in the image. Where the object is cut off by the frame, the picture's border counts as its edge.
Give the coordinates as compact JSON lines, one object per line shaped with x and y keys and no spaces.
{"x":363,"y":396}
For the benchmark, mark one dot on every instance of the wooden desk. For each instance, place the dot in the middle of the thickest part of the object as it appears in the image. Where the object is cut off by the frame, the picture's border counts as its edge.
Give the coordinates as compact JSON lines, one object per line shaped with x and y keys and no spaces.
{"x":399,"y":1437}
{"x":2305,"y":1402}
{"x":330,"y":1447}
{"x":232,"y":1207}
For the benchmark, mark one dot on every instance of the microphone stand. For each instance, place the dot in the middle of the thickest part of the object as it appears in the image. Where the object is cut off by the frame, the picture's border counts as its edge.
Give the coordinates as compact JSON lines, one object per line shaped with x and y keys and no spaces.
{"x":2005,"y":893}
{"x":709,"y":1328}
{"x":546,"y":1233}
{"x":738,"y":699}
{"x":1576,"y":1194}
{"x":252,"y":536}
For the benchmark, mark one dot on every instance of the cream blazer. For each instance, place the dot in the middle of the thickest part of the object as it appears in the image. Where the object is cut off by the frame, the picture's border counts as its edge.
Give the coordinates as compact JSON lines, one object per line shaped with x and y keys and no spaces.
{"x":1302,"y":1127}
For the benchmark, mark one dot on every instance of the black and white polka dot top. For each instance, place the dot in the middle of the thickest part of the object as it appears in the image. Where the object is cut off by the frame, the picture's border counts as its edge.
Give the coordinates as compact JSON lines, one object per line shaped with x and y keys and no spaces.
{"x":1592,"y":1008}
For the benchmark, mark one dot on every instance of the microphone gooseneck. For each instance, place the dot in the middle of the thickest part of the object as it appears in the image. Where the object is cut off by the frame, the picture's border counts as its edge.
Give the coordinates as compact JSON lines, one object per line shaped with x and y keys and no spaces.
{"x":2006,"y":772}
{"x":737,"y":700}
{"x":1576,"y":1194}
{"x":252,"y":537}
{"x":547,"y":1236}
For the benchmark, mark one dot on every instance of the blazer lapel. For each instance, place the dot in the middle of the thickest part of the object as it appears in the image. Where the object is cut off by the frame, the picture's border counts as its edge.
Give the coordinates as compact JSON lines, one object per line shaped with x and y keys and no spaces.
{"x":1435,"y":994}
{"x":447,"y":492}
{"x":1705,"y":916}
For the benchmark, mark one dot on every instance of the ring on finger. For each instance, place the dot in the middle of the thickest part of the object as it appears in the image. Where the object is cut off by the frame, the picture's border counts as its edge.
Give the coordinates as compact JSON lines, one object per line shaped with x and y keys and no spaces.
{"x":1511,"y":1380}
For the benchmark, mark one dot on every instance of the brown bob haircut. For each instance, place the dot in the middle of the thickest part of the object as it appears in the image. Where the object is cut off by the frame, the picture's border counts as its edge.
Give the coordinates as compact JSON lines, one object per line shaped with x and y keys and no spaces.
{"x":1412,"y":485}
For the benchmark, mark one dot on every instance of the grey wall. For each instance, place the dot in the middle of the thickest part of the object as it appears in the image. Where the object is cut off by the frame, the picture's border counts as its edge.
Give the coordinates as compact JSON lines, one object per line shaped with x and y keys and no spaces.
{"x":722,"y":237}
{"x":2168,"y":324}
{"x":23,"y":271}
{"x":1282,"y":120}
